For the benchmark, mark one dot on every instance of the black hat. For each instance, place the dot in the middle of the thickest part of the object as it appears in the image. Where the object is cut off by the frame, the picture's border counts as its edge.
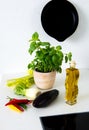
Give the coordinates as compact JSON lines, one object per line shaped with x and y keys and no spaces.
{"x":59,"y":19}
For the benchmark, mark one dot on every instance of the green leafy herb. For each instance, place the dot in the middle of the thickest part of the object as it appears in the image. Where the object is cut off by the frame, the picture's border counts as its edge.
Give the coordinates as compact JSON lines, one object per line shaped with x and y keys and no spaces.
{"x":47,"y":58}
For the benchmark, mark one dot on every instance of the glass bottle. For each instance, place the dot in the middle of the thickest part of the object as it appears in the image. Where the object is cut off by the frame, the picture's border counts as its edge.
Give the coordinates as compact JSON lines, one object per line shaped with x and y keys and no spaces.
{"x":71,"y":84}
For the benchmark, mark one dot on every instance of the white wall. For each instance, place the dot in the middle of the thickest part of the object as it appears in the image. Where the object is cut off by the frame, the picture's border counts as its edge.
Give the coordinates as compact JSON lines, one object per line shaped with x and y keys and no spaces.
{"x":20,"y":18}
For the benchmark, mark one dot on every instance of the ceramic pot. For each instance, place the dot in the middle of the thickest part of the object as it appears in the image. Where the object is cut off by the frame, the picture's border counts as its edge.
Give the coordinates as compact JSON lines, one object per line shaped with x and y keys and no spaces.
{"x":44,"y":80}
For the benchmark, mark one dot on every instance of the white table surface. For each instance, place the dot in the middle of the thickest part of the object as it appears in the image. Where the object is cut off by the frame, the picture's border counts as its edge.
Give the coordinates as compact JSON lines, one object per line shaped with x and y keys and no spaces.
{"x":29,"y":120}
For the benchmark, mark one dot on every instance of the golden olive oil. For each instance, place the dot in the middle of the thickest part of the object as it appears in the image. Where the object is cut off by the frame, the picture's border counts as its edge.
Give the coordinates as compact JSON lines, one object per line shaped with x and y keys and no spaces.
{"x":71,"y":85}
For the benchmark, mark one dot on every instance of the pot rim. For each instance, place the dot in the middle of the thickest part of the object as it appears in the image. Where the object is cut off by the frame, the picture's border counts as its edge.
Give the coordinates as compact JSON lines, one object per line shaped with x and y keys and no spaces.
{"x":44,"y":72}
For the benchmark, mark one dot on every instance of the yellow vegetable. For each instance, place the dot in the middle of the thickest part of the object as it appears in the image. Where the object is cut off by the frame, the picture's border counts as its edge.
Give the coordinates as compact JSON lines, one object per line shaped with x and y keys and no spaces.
{"x":30,"y":72}
{"x":12,"y":107}
{"x":28,"y":80}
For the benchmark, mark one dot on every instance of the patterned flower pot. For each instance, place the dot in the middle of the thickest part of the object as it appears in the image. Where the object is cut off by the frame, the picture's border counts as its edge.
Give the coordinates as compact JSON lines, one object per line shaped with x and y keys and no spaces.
{"x":44,"y":80}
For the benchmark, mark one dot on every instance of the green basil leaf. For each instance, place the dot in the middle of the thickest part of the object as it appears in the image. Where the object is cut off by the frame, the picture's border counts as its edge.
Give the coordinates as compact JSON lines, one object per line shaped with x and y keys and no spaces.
{"x":35,"y":36}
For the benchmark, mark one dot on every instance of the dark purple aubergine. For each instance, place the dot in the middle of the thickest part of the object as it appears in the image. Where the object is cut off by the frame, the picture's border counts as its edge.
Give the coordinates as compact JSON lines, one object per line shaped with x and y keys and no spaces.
{"x":46,"y":98}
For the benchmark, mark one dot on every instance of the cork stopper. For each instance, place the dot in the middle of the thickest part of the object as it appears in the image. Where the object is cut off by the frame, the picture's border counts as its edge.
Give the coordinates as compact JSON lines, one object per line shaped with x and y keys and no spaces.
{"x":72,"y":64}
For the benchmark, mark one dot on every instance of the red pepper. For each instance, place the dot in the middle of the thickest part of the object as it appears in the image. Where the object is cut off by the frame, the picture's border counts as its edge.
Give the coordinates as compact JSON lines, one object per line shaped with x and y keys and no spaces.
{"x":18,"y":101}
{"x":19,"y":107}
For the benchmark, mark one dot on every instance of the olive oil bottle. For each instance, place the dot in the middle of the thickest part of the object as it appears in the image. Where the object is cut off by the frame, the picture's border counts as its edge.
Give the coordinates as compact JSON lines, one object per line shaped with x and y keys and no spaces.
{"x":71,"y":84}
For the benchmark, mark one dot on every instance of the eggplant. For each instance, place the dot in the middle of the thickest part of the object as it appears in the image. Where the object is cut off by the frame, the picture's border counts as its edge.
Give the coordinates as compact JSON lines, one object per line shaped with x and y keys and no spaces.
{"x":46,"y":98}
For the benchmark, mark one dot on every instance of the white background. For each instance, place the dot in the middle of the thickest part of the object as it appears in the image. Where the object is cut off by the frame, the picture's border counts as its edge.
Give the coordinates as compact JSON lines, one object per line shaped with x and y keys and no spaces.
{"x":19,"y":19}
